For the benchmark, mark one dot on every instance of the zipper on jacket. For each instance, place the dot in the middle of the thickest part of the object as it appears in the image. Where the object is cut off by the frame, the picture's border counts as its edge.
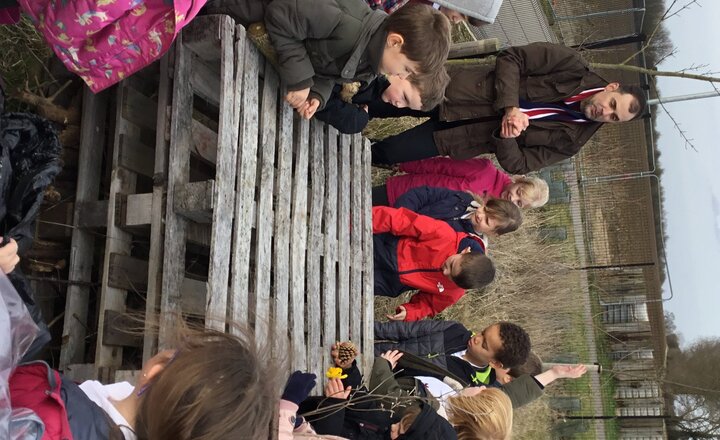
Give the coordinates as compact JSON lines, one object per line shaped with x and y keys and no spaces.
{"x":405,"y":272}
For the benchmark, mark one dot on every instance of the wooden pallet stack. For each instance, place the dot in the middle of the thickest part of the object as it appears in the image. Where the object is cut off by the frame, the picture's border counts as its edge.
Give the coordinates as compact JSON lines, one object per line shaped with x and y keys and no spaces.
{"x":245,"y":214}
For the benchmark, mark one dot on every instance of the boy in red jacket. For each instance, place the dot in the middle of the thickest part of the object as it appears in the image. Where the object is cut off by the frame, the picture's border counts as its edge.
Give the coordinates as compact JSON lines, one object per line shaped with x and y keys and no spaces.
{"x":412,"y":251}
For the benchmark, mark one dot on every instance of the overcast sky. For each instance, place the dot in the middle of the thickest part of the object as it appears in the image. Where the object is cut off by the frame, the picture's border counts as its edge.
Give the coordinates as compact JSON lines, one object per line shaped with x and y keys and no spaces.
{"x":691,"y":180}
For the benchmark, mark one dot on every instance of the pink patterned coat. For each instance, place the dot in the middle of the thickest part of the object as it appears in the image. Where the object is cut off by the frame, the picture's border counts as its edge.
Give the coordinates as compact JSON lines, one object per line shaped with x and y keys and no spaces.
{"x":105,"y":41}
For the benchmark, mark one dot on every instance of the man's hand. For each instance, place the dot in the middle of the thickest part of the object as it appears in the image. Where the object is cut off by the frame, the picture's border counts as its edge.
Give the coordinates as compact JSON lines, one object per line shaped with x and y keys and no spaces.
{"x":569,"y":371}
{"x":297,"y":98}
{"x":513,"y":123}
{"x":8,"y":255}
{"x":392,"y":356}
{"x":308,"y":108}
{"x":400,"y":314}
{"x":334,"y":388}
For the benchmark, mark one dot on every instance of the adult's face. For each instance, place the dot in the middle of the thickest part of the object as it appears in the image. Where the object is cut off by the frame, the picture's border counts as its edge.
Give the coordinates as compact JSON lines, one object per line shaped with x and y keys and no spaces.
{"x":609,"y":105}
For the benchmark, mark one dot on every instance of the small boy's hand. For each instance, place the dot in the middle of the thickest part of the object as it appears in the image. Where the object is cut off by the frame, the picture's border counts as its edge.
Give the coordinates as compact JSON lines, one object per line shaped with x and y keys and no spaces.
{"x":392,"y":356}
{"x":569,"y":371}
{"x":297,"y":98}
{"x":8,"y":255}
{"x":308,"y":109}
{"x":400,"y":314}
{"x":334,"y":388}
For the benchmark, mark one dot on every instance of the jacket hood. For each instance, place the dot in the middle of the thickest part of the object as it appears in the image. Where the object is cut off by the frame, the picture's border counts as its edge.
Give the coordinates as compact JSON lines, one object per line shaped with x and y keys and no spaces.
{"x":429,"y":425}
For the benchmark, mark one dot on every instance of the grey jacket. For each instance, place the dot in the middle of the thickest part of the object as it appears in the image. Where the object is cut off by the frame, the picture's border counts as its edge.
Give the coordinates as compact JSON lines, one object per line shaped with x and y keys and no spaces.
{"x":321,"y":42}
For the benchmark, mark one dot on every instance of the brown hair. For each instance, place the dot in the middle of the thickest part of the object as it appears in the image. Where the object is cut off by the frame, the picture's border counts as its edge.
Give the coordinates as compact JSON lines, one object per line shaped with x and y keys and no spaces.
{"x":217,"y":386}
{"x":476,"y":271}
{"x":431,"y":87}
{"x":409,"y":418}
{"x":507,"y":215}
{"x":487,"y":415}
{"x":532,"y":366}
{"x":426,"y":32}
{"x":637,"y":107}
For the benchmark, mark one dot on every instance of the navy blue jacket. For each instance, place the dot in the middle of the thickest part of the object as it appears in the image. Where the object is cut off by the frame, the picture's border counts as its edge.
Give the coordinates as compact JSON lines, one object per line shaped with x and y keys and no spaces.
{"x":350,"y":118}
{"x":439,"y":203}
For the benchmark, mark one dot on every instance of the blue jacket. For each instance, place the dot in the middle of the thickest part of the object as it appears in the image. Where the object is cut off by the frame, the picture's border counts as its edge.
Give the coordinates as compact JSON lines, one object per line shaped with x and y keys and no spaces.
{"x":439,"y":203}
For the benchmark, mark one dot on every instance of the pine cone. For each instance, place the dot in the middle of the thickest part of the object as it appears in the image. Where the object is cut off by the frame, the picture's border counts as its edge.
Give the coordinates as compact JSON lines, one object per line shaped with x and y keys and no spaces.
{"x":347,"y":351}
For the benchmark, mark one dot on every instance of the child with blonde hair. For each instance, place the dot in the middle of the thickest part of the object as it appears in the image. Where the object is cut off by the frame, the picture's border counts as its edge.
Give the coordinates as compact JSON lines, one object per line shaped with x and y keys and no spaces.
{"x":481,"y":413}
{"x":477,"y":175}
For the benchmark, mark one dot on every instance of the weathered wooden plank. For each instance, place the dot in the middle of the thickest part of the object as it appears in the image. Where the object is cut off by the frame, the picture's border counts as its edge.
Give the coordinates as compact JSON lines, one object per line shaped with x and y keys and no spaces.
{"x":157,"y":212}
{"x":264,"y":219}
{"x":136,"y":156}
{"x":91,"y":214}
{"x":127,"y":273}
{"x":356,"y":245}
{"x":92,"y":135}
{"x":315,"y":243}
{"x":135,"y":210}
{"x":196,"y":201}
{"x":204,"y":142}
{"x":281,"y":239}
{"x":193,"y":296}
{"x":80,"y":372}
{"x":247,"y":169}
{"x":329,"y":284}
{"x":225,"y":174}
{"x":368,"y":312}
{"x":55,"y":221}
{"x":343,"y":284}
{"x":202,"y":37}
{"x":138,"y":108}
{"x":178,"y":173}
{"x":205,"y":81}
{"x":130,"y":376}
{"x":118,"y":330}
{"x":298,"y":246}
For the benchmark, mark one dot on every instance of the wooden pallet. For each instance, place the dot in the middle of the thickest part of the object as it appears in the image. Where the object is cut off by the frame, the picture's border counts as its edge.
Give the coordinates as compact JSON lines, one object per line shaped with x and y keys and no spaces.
{"x":275,"y":209}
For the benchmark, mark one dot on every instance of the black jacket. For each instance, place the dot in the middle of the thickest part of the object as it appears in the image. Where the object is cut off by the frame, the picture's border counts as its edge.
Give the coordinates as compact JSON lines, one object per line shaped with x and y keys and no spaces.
{"x":350,"y":117}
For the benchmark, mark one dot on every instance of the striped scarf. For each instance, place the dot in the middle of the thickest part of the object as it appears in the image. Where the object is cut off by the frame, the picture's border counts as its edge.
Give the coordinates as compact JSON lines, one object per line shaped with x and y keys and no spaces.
{"x":567,"y":110}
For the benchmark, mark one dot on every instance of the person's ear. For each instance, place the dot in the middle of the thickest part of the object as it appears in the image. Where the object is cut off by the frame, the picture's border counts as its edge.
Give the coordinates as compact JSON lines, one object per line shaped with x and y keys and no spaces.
{"x":467,"y":250}
{"x":395,"y":40}
{"x":154,"y":366}
{"x":612,"y":87}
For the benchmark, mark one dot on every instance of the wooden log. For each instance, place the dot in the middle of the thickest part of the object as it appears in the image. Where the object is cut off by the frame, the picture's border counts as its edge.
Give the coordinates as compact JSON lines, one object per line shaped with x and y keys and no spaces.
{"x":298,"y":246}
{"x":118,"y":330}
{"x":157,"y":212}
{"x":368,"y":292}
{"x":128,"y":273}
{"x":329,"y":271}
{"x":195,"y":201}
{"x":343,"y":284}
{"x":245,"y":198}
{"x":315,"y":243}
{"x":225,"y":175}
{"x":92,"y":136}
{"x":473,"y":48}
{"x":264,"y":219}
{"x":282,"y":237}
{"x":178,"y":174}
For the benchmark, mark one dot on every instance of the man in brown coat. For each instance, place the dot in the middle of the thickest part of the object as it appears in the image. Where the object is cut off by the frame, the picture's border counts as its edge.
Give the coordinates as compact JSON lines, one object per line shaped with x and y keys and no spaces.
{"x":537,"y":105}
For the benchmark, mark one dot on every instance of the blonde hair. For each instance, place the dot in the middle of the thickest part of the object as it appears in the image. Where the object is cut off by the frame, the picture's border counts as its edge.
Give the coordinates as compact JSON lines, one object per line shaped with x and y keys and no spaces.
{"x":536,"y":189}
{"x":487,"y":415}
{"x":217,"y":386}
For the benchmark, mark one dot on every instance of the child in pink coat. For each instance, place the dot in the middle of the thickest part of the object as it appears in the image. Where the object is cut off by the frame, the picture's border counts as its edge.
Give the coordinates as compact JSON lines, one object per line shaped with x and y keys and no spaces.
{"x":105,"y":41}
{"x":477,"y":175}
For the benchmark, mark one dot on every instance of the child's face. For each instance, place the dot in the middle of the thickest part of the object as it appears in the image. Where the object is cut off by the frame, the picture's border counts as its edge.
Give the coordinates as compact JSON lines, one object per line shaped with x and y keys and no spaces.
{"x":516,"y":193}
{"x":453,"y":265}
{"x":483,"y":223}
{"x":401,"y":94}
{"x":394,"y":62}
{"x":482,"y":348}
